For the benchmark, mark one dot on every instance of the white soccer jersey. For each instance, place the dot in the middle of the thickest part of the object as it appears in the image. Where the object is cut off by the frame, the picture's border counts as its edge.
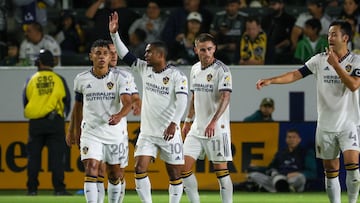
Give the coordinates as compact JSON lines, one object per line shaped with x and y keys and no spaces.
{"x":101,"y":99}
{"x":31,"y":51}
{"x":126,"y":71}
{"x":337,"y":106}
{"x":158,"y":97}
{"x":206,"y":85}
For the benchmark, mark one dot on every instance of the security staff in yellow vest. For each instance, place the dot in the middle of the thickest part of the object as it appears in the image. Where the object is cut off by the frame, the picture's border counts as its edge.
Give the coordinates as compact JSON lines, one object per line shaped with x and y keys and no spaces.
{"x":46,"y":100}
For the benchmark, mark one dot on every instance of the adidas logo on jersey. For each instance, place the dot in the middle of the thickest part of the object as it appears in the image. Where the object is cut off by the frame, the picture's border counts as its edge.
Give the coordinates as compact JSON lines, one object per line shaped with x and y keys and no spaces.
{"x":177,"y":158}
{"x":326,"y":68}
{"x":88,"y":86}
{"x":354,"y":144}
{"x":219,"y":154}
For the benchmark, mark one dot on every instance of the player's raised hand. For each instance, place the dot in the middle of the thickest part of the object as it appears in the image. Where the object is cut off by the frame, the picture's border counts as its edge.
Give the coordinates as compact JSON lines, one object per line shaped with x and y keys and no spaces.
{"x":262,"y":82}
{"x":113,"y":22}
{"x":332,"y":57}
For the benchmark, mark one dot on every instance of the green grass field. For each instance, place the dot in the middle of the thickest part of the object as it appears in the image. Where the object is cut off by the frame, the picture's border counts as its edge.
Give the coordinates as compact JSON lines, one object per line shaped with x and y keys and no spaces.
{"x":162,"y":197}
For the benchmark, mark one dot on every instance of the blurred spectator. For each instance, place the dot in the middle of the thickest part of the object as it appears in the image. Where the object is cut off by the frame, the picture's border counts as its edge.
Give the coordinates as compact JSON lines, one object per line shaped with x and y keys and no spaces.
{"x":290,"y":168}
{"x":151,"y":22}
{"x":351,"y":9}
{"x":227,"y":27}
{"x":277,"y":26}
{"x":316,"y":9}
{"x":332,"y":3}
{"x":311,"y":43}
{"x":253,"y":43}
{"x":354,"y":45}
{"x":4,"y":7}
{"x":81,"y":4}
{"x":69,"y":34}
{"x":100,"y":11}
{"x":257,"y":3}
{"x":12,"y":57}
{"x":264,"y":114}
{"x":34,"y":41}
{"x":177,"y":20}
{"x":184,"y":44}
{"x":29,"y":11}
{"x":137,"y":43}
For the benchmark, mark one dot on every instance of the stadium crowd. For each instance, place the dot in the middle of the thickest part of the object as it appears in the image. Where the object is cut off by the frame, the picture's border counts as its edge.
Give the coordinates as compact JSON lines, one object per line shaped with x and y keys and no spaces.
{"x":249,"y":32}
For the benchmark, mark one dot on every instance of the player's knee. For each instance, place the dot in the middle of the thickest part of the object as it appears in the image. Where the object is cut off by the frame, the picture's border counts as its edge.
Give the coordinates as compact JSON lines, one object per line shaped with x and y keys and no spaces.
{"x":140,"y":168}
{"x":91,"y":168}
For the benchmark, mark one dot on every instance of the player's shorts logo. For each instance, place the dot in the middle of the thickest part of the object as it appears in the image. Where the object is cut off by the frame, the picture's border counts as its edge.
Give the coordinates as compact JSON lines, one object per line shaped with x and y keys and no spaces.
{"x":209,"y":77}
{"x":110,"y":85}
{"x":85,"y":150}
{"x":166,"y":80}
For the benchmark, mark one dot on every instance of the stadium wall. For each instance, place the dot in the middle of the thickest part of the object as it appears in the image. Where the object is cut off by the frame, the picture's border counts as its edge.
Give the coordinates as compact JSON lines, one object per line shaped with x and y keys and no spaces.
{"x":245,"y":98}
{"x":252,"y":144}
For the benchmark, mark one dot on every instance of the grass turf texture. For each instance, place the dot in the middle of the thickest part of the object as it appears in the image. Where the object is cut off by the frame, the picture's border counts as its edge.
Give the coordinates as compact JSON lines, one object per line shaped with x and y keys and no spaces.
{"x":7,"y":196}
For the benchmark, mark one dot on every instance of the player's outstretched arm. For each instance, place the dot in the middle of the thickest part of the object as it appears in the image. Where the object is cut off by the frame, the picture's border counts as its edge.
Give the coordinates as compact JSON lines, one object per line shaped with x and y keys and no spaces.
{"x":121,"y":49}
{"x":286,"y":78}
{"x":113,"y":22}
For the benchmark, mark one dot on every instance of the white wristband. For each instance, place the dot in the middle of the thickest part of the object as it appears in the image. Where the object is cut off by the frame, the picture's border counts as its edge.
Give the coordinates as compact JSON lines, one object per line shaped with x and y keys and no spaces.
{"x":188,"y":120}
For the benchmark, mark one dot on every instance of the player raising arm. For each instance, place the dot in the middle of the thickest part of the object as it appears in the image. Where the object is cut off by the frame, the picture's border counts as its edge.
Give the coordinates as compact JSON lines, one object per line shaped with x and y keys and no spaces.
{"x":164,"y":102}
{"x":337,"y":73}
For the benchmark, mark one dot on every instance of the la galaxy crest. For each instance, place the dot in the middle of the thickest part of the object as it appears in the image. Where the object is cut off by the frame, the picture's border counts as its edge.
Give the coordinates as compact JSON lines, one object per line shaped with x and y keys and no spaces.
{"x":209,"y":77}
{"x":110,"y":85}
{"x":348,"y":68}
{"x":166,"y":80}
{"x":85,"y":150}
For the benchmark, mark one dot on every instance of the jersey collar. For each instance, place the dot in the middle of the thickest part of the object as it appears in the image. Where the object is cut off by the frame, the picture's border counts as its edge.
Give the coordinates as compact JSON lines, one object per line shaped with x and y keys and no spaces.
{"x":344,"y":57}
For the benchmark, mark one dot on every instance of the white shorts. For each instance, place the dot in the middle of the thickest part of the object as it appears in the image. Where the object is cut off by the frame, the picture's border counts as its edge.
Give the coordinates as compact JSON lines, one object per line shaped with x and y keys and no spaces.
{"x":329,"y":144}
{"x":217,"y":148}
{"x":170,"y":151}
{"x":117,"y":153}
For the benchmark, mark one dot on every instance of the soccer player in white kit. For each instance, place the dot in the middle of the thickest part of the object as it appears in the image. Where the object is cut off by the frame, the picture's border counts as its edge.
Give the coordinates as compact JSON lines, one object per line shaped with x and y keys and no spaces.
{"x":102,"y":101}
{"x":337,"y":74}
{"x":211,"y":85}
{"x":164,"y":103}
{"x":136,"y":106}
